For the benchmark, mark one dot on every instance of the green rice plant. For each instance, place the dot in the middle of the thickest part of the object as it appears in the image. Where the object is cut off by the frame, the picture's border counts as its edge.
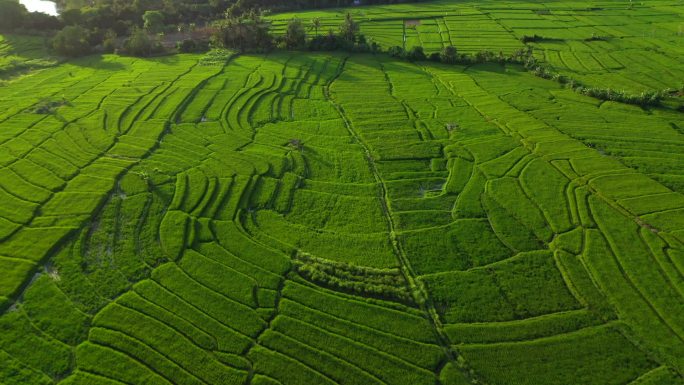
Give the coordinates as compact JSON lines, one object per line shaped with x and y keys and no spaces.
{"x":380,"y":316}
{"x":227,"y":339}
{"x":331,"y":366}
{"x":452,"y":375}
{"x":16,"y":372}
{"x":174,"y":233}
{"x":462,"y":245}
{"x":109,"y":366}
{"x":236,"y":242}
{"x":660,"y":375}
{"x":213,"y":275}
{"x":594,"y":353}
{"x":340,"y":213}
{"x":500,"y":166}
{"x":55,"y":164}
{"x":510,"y":230}
{"x":23,"y":246}
{"x":16,"y":271}
{"x":222,"y":194}
{"x":135,"y":302}
{"x":469,"y":204}
{"x":666,"y":220}
{"x":7,"y":228}
{"x":165,"y":340}
{"x":52,"y":312}
{"x":371,"y":249}
{"x":521,"y":330}
{"x":240,"y":317}
{"x":425,"y":355}
{"x":196,"y":189}
{"x":238,"y":193}
{"x":285,"y":192}
{"x":581,"y":283}
{"x":72,"y":203}
{"x":176,"y":204}
{"x":356,"y":353}
{"x":137,"y":356}
{"x":16,"y":209}
{"x":37,"y":175}
{"x":34,"y":349}
{"x":627,"y":186}
{"x":657,"y":247}
{"x":519,"y":275}
{"x":621,"y":293}
{"x":20,"y":188}
{"x":263,"y":277}
{"x":414,"y":188}
{"x":551,"y":196}
{"x":278,"y":368}
{"x":508,"y":290}
{"x":414,"y":220}
{"x":633,"y":254}
{"x":508,"y":193}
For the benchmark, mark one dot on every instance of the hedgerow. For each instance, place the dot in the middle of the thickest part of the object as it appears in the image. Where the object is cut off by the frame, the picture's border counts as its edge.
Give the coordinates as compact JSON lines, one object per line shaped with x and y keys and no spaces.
{"x":381,"y":283}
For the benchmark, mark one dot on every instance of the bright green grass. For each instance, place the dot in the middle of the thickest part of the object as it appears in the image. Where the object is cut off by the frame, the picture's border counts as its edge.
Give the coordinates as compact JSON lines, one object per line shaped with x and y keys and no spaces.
{"x":641,"y":46}
{"x":151,"y":229}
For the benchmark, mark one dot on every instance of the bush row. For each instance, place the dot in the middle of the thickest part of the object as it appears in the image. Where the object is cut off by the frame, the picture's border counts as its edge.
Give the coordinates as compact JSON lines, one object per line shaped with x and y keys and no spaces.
{"x":381,"y":283}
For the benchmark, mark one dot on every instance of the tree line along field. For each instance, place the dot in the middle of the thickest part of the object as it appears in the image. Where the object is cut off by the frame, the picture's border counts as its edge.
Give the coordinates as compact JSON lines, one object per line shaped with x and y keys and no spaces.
{"x":632,"y":46}
{"x":330,"y":218}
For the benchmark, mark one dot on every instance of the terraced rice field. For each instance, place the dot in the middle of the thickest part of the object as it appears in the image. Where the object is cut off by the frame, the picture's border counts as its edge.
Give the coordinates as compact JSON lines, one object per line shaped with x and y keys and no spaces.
{"x":334,"y":219}
{"x":20,"y":54}
{"x":635,"y":47}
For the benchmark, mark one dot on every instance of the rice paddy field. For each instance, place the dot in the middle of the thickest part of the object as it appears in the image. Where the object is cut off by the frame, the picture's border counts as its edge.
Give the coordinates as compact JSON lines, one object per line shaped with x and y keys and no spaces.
{"x":21,"y":54}
{"x":331,"y":218}
{"x":623,"y":45}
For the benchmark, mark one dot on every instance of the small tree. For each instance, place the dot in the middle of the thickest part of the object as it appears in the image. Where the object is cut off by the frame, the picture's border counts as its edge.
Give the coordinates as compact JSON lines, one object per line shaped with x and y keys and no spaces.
{"x":295,"y":36}
{"x":109,"y":43}
{"x":396,"y":51}
{"x":245,"y":33}
{"x":71,"y":41}
{"x":327,"y":42}
{"x":153,"y":21}
{"x":449,"y":54}
{"x":71,"y":16}
{"x":186,"y":46}
{"x":349,"y":29}
{"x":139,"y":44}
{"x":416,"y":53}
{"x":316,"y":24}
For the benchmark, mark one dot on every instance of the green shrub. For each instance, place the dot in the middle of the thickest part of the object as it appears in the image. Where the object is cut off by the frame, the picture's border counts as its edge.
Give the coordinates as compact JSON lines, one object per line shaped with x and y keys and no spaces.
{"x":71,"y":41}
{"x":449,"y":55}
{"x":295,"y":35}
{"x":191,"y":46}
{"x":139,"y":44}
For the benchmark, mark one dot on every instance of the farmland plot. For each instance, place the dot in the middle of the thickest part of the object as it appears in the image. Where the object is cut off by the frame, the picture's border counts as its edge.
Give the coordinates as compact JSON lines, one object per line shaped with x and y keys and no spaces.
{"x":632,"y":47}
{"x":332,"y":219}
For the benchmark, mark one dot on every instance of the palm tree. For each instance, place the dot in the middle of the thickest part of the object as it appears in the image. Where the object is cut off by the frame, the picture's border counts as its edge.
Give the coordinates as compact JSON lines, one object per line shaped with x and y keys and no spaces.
{"x":315,"y":24}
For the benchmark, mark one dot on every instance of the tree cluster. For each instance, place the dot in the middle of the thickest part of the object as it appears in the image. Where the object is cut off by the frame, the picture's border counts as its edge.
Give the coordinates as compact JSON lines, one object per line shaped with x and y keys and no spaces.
{"x":249,"y":32}
{"x":16,"y":19}
{"x":246,"y":33}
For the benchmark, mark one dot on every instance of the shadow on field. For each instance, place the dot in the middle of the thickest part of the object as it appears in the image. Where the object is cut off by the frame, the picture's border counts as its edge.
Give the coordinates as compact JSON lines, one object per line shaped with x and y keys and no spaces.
{"x":99,"y":62}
